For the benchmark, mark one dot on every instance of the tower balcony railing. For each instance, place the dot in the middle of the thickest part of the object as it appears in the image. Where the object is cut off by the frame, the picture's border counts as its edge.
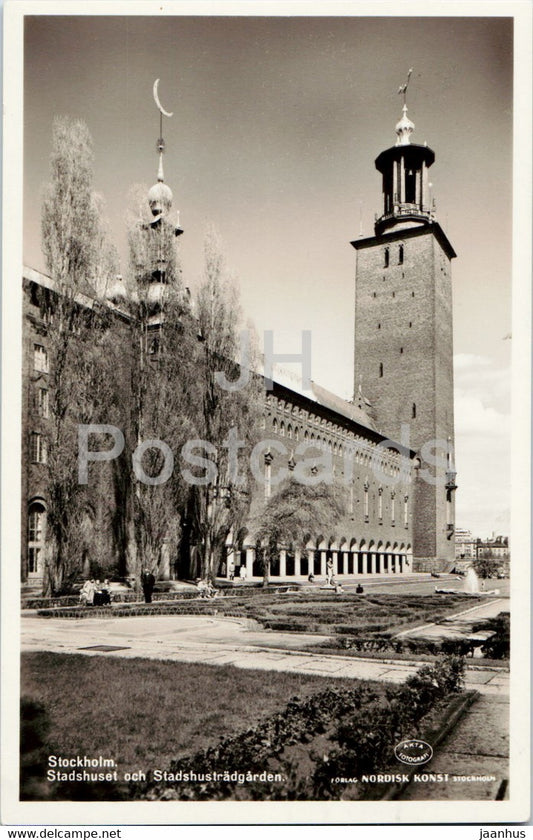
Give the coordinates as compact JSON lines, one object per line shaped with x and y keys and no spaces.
{"x":406,"y":210}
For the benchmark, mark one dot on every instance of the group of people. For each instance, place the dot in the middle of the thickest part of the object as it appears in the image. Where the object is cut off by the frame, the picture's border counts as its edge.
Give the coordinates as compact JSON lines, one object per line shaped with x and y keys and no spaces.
{"x":206,"y":588}
{"x":231,"y":571}
{"x":95,"y":594}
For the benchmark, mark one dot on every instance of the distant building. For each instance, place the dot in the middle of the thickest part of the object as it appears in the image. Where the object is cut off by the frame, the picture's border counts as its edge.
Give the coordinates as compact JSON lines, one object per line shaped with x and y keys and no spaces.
{"x":465,"y":545}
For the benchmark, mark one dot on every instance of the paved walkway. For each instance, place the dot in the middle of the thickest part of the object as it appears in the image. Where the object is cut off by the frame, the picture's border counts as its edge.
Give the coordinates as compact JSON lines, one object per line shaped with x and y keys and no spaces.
{"x":222,"y":641}
{"x":475,"y":756}
{"x":460,"y":623}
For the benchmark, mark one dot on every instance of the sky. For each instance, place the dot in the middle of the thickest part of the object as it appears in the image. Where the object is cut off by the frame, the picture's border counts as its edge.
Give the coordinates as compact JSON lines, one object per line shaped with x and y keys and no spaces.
{"x":277,"y":123}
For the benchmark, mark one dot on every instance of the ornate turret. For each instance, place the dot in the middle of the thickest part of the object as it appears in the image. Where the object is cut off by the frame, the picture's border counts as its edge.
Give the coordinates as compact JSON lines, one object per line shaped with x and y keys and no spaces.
{"x":404,"y":167}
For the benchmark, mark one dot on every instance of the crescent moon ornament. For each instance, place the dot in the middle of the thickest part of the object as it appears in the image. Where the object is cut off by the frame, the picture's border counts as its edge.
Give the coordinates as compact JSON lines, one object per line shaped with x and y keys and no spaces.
{"x":157,"y":102}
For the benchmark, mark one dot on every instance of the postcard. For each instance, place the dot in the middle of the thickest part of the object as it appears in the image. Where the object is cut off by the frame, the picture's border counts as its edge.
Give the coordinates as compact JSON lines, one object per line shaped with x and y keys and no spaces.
{"x":266,"y":396}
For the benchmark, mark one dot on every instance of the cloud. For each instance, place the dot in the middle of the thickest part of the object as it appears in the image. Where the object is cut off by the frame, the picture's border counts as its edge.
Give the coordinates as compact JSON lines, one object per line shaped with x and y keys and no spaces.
{"x":482,"y":444}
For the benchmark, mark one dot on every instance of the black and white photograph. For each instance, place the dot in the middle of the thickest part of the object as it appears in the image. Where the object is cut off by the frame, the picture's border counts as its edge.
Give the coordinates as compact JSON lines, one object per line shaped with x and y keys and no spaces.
{"x":266,"y":457}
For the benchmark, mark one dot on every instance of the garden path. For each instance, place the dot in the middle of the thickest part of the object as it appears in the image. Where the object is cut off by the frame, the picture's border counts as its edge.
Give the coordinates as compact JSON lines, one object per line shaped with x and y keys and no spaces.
{"x":223,"y":641}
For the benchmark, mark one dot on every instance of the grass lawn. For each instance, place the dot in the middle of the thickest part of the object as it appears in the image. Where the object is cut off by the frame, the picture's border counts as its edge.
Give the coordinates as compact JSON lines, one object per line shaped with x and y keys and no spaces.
{"x":143,"y":713}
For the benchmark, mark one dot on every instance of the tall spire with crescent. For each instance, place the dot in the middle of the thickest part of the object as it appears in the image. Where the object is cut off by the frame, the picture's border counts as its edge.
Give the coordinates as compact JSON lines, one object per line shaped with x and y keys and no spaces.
{"x":160,"y":195}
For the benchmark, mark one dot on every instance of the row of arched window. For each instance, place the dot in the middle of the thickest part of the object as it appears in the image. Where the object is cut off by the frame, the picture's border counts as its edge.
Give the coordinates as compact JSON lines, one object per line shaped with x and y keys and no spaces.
{"x":369,"y":458}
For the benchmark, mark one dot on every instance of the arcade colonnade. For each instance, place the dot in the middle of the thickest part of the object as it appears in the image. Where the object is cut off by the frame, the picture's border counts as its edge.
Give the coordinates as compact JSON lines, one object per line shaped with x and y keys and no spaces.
{"x":349,"y":558}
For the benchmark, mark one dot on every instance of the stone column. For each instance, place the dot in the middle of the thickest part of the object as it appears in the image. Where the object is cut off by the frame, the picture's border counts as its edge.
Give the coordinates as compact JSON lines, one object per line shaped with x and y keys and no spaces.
{"x":345,"y":562}
{"x":297,"y":564}
{"x":282,"y":563}
{"x":250,"y":553}
{"x":373,"y":563}
{"x":394,"y":185}
{"x":335,"y":558}
{"x":165,"y":562}
{"x":230,"y":558}
{"x":323,"y":563}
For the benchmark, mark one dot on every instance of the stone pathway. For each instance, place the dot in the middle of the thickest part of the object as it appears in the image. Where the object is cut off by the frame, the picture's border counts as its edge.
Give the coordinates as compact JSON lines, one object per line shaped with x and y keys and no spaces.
{"x":222,"y":641}
{"x":475,"y":756}
{"x":459,"y":625}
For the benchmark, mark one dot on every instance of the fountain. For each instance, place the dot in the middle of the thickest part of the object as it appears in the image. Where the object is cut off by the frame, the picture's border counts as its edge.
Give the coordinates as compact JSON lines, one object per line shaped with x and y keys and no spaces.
{"x":471,"y":584}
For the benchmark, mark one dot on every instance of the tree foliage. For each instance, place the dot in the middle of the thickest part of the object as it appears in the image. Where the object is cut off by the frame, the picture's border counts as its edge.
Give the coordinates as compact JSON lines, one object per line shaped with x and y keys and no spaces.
{"x":293,"y":513}
{"x":222,"y":506}
{"x":486,"y":567}
{"x":77,"y":335}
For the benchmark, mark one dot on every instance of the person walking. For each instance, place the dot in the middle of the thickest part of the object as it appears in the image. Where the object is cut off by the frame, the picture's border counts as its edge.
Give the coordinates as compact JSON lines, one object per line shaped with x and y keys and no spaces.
{"x":147,"y":583}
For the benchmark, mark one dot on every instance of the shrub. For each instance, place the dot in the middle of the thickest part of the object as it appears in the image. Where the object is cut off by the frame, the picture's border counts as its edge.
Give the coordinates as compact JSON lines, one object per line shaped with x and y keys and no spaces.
{"x":371,"y":724}
{"x":366,"y":742}
{"x":496,"y":646}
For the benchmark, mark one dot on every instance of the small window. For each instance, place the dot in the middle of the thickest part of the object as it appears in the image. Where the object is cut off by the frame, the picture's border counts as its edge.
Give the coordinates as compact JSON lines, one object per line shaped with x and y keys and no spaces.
{"x":40,"y":358}
{"x":400,"y":255}
{"x":35,"y":523}
{"x":401,"y":350}
{"x":42,"y":402}
{"x":34,"y":559}
{"x":410,"y":323}
{"x":412,"y":294}
{"x":375,"y":294}
{"x":394,"y":294}
{"x":413,"y":411}
{"x":381,"y":369}
{"x":379,"y":326}
{"x":38,"y":448}
{"x":386,"y":257}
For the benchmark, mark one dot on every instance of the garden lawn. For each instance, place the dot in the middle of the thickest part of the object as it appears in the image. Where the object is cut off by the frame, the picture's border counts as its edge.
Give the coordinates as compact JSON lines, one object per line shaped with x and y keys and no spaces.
{"x":143,"y":713}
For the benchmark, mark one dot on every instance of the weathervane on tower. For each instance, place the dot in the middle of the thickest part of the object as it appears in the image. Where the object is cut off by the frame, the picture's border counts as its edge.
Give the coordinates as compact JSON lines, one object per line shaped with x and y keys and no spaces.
{"x":403,"y":88}
{"x":404,"y":127}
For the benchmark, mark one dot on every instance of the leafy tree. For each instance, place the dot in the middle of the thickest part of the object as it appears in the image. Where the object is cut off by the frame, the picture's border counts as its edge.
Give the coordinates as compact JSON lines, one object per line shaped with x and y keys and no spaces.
{"x":294,"y":512}
{"x":161,"y":389}
{"x":486,"y":567}
{"x":224,"y":413}
{"x":73,"y":241}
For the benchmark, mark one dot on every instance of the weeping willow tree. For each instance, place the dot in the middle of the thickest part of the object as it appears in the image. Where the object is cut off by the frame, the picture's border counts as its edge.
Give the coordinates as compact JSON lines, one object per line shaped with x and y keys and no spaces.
{"x":161,"y":390}
{"x":77,"y":255}
{"x":294,"y":512}
{"x":228,"y":414}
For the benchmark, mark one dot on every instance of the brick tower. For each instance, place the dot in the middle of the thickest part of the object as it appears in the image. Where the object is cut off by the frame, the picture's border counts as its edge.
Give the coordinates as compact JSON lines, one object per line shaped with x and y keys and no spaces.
{"x":404,"y":338}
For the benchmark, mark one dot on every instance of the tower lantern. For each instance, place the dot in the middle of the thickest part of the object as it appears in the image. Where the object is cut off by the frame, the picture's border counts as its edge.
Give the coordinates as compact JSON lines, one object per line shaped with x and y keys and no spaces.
{"x":404,"y":168}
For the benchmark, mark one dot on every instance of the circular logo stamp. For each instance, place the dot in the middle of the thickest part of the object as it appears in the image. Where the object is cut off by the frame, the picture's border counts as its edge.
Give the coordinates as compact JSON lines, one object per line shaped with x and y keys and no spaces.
{"x":413,"y":751}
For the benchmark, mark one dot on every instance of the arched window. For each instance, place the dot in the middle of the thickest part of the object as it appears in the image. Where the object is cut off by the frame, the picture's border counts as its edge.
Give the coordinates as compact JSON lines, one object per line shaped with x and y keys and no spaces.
{"x":275,"y":426}
{"x":400,"y":255}
{"x":289,"y":431}
{"x":282,"y":429}
{"x":36,"y":537}
{"x":386,"y":257}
